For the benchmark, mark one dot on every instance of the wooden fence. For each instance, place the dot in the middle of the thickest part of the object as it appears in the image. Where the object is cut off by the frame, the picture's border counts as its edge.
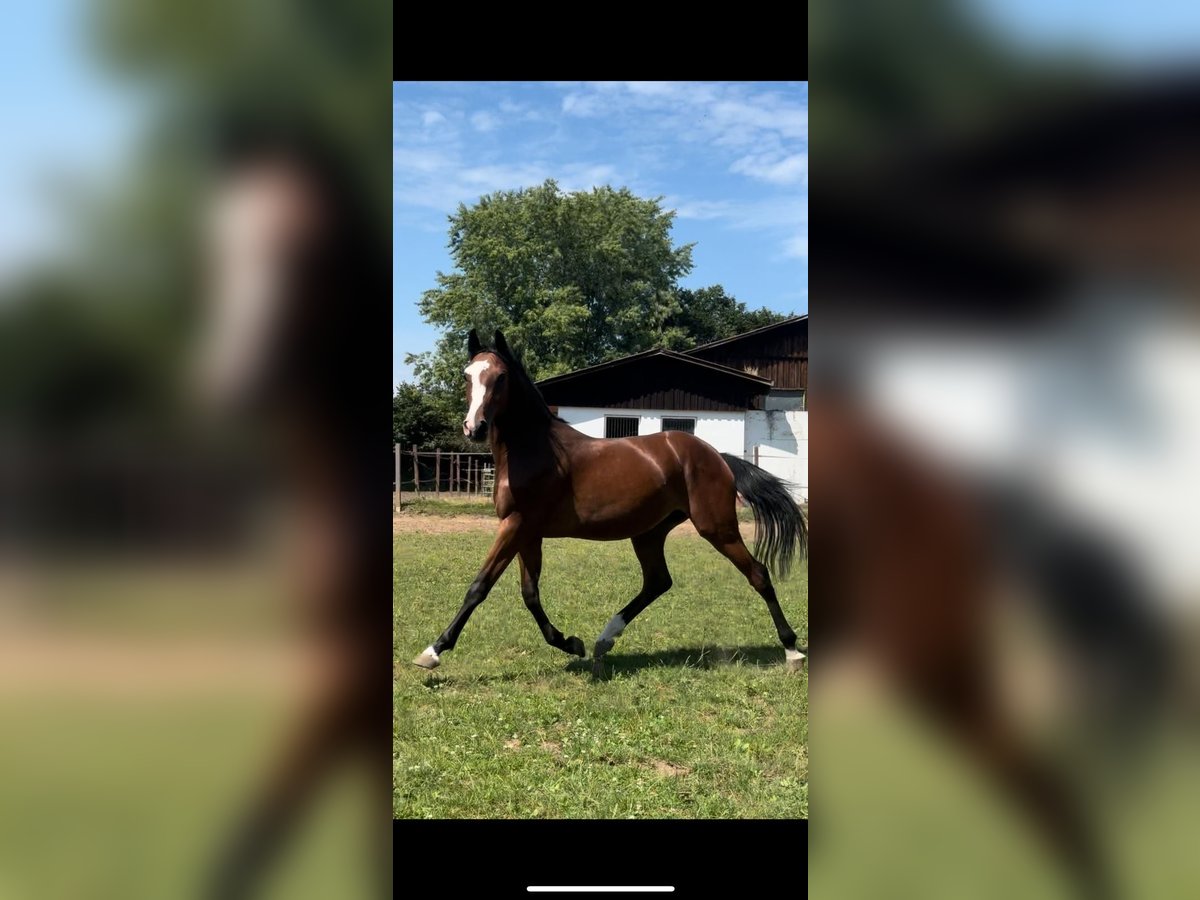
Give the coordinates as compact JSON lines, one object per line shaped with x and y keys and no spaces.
{"x":440,"y":473}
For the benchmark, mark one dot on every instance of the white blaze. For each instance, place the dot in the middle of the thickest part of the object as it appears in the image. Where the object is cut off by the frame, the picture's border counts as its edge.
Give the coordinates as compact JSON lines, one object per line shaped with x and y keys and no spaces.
{"x":475,"y":371}
{"x":256,"y":224}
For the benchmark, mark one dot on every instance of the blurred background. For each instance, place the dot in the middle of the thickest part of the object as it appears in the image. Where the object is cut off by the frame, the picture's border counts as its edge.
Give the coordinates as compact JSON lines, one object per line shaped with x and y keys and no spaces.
{"x":158,"y":646}
{"x":1006,"y":385}
{"x":1003,"y":270}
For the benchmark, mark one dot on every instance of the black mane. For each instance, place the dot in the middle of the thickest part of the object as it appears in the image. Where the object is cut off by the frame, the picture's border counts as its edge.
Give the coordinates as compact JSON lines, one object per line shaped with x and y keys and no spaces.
{"x":526,"y":403}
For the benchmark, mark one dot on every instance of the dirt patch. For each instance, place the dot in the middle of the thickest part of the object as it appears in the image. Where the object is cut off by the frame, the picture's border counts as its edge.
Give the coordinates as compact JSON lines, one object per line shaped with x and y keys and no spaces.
{"x":512,"y":744}
{"x":405,"y":524}
{"x":552,"y":747}
{"x":669,"y":770}
{"x":122,"y":666}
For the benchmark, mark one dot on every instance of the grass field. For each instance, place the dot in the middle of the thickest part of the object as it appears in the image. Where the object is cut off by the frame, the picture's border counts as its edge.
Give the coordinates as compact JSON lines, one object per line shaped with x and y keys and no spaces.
{"x":451,"y":506}
{"x":698,"y":719}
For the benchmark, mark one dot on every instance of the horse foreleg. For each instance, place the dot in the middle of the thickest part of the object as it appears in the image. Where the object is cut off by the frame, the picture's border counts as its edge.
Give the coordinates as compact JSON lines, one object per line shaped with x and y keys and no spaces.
{"x":530,"y":560}
{"x":503,"y":550}
{"x":334,"y":720}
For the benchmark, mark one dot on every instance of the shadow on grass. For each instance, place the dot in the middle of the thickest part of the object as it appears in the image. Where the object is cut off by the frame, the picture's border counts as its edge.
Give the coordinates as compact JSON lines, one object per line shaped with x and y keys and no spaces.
{"x":433,"y":682}
{"x":762,"y":657}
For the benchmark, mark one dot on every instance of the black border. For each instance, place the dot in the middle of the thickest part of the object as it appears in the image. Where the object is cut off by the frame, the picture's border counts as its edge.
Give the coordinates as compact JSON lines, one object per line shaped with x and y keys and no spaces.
{"x":699,"y":857}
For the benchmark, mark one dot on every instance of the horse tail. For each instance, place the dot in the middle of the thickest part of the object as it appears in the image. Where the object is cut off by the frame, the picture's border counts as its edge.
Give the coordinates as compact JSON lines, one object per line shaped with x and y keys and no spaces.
{"x":780,"y":528}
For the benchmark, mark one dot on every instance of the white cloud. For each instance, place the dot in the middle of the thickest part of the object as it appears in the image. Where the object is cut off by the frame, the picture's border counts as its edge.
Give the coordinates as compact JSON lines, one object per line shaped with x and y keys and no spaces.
{"x":433,"y":174}
{"x":786,"y":213}
{"x":501,"y":177}
{"x":796,"y":247}
{"x":432,"y":117}
{"x":723,"y":115}
{"x":520,"y":112}
{"x":698,"y":209}
{"x":581,"y":105}
{"x":650,"y":88}
{"x":485,"y":121}
{"x":791,"y":169}
{"x":417,"y":160}
{"x":585,"y":176}
{"x":743,"y":120}
{"x":782,"y":215}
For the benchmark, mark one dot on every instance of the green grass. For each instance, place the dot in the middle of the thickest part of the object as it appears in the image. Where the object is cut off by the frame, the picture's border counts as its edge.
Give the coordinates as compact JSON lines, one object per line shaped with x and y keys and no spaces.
{"x":107,"y":797}
{"x":698,"y":718}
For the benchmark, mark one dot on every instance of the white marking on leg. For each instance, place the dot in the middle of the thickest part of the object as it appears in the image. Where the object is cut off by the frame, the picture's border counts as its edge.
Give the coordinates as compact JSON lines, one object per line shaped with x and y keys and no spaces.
{"x":612,"y":630}
{"x":429,"y":650}
{"x":475,"y":370}
{"x":793,"y":655}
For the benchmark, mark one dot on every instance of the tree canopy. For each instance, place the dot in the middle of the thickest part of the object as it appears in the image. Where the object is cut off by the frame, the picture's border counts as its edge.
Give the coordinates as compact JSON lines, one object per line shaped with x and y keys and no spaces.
{"x":574,"y":279}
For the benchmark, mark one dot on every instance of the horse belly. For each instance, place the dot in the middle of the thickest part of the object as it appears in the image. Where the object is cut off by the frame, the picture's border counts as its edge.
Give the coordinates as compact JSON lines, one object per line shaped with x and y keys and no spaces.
{"x":613,"y":521}
{"x":620,"y":489}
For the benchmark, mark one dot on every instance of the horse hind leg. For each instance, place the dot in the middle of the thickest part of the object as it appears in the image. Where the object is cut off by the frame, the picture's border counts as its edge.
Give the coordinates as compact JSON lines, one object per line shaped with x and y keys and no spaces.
{"x":729,"y":543}
{"x":656,"y":581}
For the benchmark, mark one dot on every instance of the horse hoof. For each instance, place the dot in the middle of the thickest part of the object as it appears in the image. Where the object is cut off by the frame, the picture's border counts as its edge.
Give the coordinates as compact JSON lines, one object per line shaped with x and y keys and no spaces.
{"x":575,"y":647}
{"x":427,"y":660}
{"x":598,"y":667}
{"x":793,"y":661}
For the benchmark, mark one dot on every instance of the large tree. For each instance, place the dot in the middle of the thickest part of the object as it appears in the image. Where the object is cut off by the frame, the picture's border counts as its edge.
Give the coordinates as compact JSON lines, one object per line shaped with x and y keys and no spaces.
{"x":418,"y":418}
{"x":572,"y":278}
{"x":710,"y":314}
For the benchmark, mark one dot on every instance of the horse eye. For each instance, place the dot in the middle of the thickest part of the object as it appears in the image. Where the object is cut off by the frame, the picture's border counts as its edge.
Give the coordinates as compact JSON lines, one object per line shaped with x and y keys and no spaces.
{"x":500,"y":378}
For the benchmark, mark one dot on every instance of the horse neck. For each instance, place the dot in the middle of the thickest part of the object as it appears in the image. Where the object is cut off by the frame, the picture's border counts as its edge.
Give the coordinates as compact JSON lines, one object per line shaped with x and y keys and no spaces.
{"x":523,"y":441}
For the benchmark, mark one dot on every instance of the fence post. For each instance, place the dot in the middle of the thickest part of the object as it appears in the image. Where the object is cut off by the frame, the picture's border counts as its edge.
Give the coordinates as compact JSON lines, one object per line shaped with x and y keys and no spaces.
{"x":457,"y":472}
{"x":416,"y":472}
{"x":396,"y":451}
{"x":437,"y":472}
{"x":756,"y":454}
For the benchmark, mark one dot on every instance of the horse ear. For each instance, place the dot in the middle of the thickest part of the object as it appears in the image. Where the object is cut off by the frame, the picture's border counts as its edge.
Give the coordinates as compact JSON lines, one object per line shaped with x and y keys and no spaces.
{"x":473,"y":345}
{"x":502,"y":344}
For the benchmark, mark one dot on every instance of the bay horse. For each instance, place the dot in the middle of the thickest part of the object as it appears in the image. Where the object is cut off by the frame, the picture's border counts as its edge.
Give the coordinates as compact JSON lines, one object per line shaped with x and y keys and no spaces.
{"x":290,"y":239}
{"x":915,"y":557}
{"x":553,"y":481}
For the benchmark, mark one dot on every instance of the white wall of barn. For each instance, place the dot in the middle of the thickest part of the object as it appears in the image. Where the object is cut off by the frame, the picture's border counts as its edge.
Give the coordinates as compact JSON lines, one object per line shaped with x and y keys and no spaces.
{"x":726,"y":431}
{"x":780,"y":437}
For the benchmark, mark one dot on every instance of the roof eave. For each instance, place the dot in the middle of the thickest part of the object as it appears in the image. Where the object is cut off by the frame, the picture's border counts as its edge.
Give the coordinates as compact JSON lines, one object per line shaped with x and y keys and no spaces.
{"x":746,"y":334}
{"x":669,"y":354}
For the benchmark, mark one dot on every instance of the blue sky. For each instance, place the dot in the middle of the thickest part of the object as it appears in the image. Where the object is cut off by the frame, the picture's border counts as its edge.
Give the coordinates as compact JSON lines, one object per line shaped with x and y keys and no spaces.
{"x":1165,"y":32}
{"x":730,"y":159}
{"x":62,"y":125}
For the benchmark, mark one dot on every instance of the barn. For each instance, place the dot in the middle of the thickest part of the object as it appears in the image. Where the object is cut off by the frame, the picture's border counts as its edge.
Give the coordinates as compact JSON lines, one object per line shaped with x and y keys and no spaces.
{"x":745,"y":395}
